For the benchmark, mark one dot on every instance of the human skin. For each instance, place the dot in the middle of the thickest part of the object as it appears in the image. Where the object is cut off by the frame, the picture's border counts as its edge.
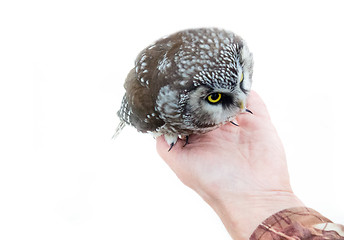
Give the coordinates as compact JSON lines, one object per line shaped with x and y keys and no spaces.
{"x":241,"y":172}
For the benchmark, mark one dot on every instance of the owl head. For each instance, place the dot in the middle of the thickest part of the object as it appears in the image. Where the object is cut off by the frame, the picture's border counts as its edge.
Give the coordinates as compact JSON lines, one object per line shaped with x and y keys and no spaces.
{"x":220,"y":89}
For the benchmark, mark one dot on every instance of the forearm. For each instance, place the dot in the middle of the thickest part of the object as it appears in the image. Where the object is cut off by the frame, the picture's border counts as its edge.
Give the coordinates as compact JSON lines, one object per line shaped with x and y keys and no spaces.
{"x":242,"y":215}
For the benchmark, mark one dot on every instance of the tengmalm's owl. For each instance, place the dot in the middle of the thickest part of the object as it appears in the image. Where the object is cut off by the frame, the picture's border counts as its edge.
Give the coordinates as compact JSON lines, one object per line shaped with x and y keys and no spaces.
{"x":187,"y":83}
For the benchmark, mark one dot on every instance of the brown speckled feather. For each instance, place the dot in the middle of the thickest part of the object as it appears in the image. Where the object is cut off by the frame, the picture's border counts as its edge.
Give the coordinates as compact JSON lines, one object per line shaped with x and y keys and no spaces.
{"x":140,"y":104}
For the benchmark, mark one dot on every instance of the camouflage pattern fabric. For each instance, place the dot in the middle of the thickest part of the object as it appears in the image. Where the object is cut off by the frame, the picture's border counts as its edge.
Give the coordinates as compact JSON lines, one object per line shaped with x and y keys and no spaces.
{"x":296,"y":224}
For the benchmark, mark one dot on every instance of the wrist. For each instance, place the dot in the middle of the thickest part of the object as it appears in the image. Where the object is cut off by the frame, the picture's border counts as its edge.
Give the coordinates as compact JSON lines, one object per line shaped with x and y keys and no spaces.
{"x":242,"y":214}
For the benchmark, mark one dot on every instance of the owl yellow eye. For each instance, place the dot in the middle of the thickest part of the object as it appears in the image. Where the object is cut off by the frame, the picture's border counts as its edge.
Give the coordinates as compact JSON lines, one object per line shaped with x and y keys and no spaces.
{"x":214,"y":97}
{"x":242,"y":77}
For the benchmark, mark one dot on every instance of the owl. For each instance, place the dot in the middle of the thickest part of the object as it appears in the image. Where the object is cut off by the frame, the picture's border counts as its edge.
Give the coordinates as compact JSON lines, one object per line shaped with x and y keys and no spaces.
{"x":190,"y":82}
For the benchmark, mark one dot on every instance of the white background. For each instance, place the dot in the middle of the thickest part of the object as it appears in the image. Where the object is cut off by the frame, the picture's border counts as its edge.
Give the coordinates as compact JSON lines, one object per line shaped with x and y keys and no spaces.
{"x":62,"y":66}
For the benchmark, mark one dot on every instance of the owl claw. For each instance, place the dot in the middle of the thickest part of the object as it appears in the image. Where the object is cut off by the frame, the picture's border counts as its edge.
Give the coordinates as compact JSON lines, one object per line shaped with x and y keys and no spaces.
{"x":171,"y":146}
{"x":235,"y":124}
{"x":248,"y":110}
{"x":171,"y":140}
{"x":186,"y":141}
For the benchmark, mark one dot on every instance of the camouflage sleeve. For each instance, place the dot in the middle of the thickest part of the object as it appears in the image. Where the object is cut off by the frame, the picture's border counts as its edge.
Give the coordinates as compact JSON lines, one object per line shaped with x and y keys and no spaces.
{"x":298,"y":223}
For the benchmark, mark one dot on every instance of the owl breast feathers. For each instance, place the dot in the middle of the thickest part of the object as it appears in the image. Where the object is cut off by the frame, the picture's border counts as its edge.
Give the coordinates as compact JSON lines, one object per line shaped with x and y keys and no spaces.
{"x":187,"y":83}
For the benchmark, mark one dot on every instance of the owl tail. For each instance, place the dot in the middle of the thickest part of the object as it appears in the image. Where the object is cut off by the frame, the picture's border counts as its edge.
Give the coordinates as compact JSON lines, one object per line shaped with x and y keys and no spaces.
{"x":119,"y":128}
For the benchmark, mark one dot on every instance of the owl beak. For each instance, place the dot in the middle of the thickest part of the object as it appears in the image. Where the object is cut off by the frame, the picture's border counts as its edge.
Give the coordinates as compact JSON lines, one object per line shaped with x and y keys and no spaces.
{"x":242,"y":106}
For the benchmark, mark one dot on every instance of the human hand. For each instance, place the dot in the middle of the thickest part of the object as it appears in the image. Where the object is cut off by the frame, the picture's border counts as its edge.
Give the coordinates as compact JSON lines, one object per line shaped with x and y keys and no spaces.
{"x":240,"y":171}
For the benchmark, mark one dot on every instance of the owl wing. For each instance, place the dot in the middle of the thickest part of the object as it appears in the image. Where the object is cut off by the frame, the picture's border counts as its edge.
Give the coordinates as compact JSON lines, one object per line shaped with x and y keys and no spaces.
{"x":138,"y":106}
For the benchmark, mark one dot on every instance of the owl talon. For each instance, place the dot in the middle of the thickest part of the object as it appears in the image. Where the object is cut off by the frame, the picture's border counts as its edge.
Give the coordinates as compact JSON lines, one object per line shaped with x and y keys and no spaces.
{"x":171,"y":140}
{"x":186,"y":141}
{"x":235,"y":124}
{"x":171,"y":146}
{"x":248,"y":110}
